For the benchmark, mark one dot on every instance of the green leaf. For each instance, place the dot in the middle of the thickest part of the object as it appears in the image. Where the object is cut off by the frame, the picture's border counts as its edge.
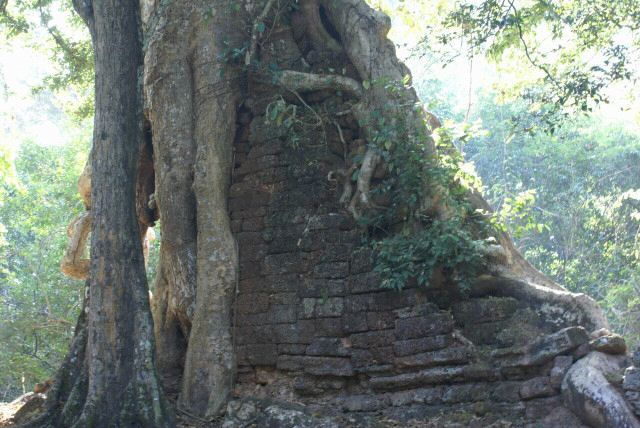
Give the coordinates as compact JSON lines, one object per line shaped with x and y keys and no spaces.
{"x":261,"y":27}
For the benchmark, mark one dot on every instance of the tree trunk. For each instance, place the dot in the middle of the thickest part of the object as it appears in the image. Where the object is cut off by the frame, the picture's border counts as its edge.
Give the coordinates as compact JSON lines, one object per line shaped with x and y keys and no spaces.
{"x":110,"y":377}
{"x":192,"y":94}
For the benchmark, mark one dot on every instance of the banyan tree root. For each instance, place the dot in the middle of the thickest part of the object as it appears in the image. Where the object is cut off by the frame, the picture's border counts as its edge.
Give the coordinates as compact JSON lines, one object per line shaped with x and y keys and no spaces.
{"x":361,"y":200}
{"x":73,"y":264}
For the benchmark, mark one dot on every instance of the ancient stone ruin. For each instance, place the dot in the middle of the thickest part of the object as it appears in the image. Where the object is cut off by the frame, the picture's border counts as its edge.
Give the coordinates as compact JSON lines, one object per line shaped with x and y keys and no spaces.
{"x":314,"y":327}
{"x":319,"y":342}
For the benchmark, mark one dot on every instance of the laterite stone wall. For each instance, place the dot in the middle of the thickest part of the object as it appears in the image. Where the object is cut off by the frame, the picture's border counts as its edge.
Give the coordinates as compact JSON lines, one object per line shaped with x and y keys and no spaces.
{"x":312,"y":324}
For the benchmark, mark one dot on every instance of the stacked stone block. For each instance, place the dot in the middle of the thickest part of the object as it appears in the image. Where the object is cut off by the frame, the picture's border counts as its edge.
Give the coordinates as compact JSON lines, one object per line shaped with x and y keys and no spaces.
{"x":312,"y":323}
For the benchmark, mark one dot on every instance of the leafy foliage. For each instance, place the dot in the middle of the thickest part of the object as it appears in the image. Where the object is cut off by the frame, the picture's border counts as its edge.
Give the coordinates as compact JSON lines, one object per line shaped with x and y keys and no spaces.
{"x":577,"y":48}
{"x":38,"y":305}
{"x":572,"y":202}
{"x":52,"y":25}
{"x":428,"y":227}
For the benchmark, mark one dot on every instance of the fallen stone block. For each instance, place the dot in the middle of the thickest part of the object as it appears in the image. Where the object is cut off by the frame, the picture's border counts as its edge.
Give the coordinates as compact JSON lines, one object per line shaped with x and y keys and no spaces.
{"x":547,"y":348}
{"x":537,"y":387}
{"x":561,"y":365}
{"x":610,"y":344}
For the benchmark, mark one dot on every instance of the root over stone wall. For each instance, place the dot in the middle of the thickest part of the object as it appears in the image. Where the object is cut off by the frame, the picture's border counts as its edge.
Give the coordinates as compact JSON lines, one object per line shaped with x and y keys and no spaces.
{"x":312,"y":325}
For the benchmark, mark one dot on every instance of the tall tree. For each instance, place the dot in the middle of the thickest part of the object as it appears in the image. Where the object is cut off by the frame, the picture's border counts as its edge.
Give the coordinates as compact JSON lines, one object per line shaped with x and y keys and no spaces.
{"x":109,"y":378}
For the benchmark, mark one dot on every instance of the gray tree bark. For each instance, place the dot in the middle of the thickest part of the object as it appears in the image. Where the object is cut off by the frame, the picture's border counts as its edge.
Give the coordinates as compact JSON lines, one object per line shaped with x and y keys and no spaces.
{"x":110,"y":378}
{"x":192,"y":94}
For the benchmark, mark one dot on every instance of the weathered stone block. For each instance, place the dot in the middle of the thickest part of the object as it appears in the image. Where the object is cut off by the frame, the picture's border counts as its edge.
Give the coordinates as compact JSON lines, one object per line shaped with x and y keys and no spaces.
{"x":329,"y":327}
{"x":322,"y":288}
{"x":448,"y":356}
{"x":256,"y":200}
{"x":291,"y":349}
{"x":486,"y":309}
{"x":364,"y":403}
{"x":302,"y":331}
{"x":285,"y":298}
{"x":359,"y":303}
{"x":290,"y":362}
{"x":380,"y":320}
{"x":236,"y":226}
{"x":421,"y":395}
{"x":364,"y":283}
{"x":255,"y":224}
{"x":541,"y":407}
{"x":438,"y":375}
{"x":312,"y":241}
{"x":372,"y":339}
{"x":429,"y":325}
{"x":253,"y":253}
{"x":561,"y":365}
{"x":319,"y":307}
{"x":550,"y":346}
{"x":325,"y":221}
{"x":280,"y":245}
{"x":279,"y":314}
{"x":507,"y":392}
{"x":309,"y":385}
{"x":337,"y":252}
{"x":361,"y":261}
{"x":323,"y":366}
{"x":262,"y":354}
{"x":256,"y":334}
{"x":280,"y":283}
{"x":392,"y":299}
{"x":558,"y":417}
{"x":252,"y":303}
{"x":415,"y":346}
{"x":354,"y":322}
{"x":536,"y":388}
{"x":249,"y":213}
{"x":373,"y":359}
{"x":611,"y":344}
{"x":417,"y":310}
{"x":631,"y":380}
{"x":278,"y":264}
{"x":249,"y":269}
{"x":466,"y":393}
{"x":252,"y":319}
{"x":329,"y":347}
{"x":331,"y":270}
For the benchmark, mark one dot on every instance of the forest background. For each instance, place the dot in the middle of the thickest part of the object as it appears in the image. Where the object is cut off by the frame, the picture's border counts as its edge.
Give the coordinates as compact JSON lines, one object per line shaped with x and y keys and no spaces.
{"x":541,"y":97}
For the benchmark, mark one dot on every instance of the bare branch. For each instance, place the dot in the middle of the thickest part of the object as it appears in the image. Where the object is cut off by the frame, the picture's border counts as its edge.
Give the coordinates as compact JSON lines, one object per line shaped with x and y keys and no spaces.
{"x":526,"y":47}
